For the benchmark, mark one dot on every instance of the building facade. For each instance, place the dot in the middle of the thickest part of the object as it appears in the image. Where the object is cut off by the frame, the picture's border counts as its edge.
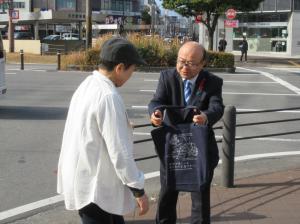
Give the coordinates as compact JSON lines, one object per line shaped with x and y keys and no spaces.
{"x":44,"y":17}
{"x":272,"y":29}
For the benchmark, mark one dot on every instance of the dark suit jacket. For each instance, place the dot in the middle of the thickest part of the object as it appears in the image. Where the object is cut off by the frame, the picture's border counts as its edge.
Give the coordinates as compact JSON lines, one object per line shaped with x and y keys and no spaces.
{"x":206,"y":96}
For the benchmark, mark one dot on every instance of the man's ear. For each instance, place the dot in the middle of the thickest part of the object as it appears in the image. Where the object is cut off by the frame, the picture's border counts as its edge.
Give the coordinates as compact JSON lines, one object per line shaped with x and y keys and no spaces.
{"x":119,"y":68}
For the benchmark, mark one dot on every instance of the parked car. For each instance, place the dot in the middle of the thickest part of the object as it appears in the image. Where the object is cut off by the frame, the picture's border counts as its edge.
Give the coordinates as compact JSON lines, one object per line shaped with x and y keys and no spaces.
{"x":23,"y":36}
{"x":70,"y":36}
{"x":52,"y":37}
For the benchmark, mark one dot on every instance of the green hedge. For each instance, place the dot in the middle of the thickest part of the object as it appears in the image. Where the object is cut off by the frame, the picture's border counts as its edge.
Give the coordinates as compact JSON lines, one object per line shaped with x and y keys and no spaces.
{"x":220,"y":60}
{"x":154,"y":50}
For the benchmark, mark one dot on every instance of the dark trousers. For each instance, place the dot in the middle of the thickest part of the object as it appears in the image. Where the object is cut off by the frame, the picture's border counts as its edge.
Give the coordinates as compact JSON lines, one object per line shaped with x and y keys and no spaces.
{"x":244,"y":53}
{"x":166,"y":210}
{"x":93,"y":214}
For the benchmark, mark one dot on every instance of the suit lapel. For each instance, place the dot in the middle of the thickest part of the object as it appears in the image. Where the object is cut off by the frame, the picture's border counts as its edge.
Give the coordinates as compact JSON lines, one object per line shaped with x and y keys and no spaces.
{"x":180,"y":95}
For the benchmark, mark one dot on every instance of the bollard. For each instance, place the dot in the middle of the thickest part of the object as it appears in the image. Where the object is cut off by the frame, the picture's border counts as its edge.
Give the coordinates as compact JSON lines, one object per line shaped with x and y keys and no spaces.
{"x":22,"y":59}
{"x":228,"y":146}
{"x":58,"y":59}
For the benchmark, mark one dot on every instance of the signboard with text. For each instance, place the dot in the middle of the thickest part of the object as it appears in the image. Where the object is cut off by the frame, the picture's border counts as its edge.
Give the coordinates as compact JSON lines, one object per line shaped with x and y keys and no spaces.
{"x":231,"y":23}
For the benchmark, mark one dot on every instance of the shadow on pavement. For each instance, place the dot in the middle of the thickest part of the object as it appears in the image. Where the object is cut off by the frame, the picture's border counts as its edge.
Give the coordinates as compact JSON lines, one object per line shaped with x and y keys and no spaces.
{"x":33,"y":113}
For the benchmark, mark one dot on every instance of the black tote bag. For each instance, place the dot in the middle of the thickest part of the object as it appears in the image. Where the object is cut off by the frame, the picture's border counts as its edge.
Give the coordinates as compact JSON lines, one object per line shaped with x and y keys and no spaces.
{"x":182,"y":150}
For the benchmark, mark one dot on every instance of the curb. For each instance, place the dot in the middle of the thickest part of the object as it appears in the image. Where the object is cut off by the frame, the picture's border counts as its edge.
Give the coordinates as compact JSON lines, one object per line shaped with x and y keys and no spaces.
{"x":149,"y":68}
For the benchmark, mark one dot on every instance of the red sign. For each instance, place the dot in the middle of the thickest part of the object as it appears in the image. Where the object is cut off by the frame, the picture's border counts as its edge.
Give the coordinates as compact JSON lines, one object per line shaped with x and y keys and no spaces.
{"x":231,"y":23}
{"x":230,"y":13}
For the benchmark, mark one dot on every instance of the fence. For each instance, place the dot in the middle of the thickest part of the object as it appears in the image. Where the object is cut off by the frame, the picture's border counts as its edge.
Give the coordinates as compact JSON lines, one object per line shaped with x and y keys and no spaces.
{"x":64,"y":46}
{"x":229,"y":138}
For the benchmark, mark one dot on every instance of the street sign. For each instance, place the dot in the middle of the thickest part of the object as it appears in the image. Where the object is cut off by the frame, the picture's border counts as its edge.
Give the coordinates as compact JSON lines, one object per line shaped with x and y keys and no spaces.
{"x":228,"y":23}
{"x":14,"y":14}
{"x":230,"y":14}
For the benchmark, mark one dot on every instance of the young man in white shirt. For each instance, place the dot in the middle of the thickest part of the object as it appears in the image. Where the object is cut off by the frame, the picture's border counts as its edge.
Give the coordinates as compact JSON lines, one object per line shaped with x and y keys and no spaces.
{"x":97,"y":174}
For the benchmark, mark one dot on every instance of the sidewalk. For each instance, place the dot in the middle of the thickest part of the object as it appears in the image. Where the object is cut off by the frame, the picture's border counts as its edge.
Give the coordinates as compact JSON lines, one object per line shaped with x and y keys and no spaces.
{"x":264,"y":199}
{"x":267,"y":61}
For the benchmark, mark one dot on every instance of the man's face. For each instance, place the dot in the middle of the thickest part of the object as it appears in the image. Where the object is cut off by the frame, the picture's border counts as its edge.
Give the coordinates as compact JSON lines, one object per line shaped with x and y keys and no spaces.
{"x":189,"y":61}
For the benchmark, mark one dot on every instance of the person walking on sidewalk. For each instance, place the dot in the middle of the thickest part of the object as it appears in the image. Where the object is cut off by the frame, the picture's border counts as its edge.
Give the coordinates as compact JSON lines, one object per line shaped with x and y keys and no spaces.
{"x":244,"y":48}
{"x":97,"y":174}
{"x":222,"y":45}
{"x":171,"y":91}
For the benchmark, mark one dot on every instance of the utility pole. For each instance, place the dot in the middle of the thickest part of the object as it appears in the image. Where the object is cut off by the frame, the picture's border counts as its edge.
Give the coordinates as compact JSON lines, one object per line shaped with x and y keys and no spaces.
{"x":10,"y":27}
{"x":88,"y":24}
{"x":152,"y":13}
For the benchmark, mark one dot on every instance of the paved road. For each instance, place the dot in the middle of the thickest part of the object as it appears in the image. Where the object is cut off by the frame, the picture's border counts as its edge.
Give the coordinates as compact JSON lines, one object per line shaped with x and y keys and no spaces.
{"x":33,"y":112}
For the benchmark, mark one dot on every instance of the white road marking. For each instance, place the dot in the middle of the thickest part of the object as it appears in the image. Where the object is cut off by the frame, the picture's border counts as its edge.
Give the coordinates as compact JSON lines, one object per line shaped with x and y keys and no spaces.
{"x":139,"y":107}
{"x":242,"y":110}
{"x":260,"y":94}
{"x":239,"y":74}
{"x":283,"y":111}
{"x":248,"y":82}
{"x":10,"y":73}
{"x":32,"y":69}
{"x":151,"y":80}
{"x":235,"y":93}
{"x":36,"y":70}
{"x":142,"y":133}
{"x":8,"y":214}
{"x":30,"y":207}
{"x":276,"y":79}
{"x":220,"y":137}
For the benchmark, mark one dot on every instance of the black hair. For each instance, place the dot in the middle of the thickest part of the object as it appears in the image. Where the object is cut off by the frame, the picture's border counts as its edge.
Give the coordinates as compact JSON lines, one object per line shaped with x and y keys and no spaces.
{"x":110,"y":65}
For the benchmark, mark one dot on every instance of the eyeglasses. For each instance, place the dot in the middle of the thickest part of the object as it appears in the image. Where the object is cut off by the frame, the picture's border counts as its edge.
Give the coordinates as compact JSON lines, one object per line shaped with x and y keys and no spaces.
{"x":189,"y":64}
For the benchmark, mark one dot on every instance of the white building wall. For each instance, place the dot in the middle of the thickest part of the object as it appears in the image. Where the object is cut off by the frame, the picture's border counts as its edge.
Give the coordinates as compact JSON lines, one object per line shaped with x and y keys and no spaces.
{"x":294,"y":35}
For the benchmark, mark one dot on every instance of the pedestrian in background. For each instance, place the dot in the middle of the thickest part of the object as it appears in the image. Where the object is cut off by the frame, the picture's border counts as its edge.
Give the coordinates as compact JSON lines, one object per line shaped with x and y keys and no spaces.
{"x":243,"y":45}
{"x":181,"y":86}
{"x":222,"y":45}
{"x":97,"y":174}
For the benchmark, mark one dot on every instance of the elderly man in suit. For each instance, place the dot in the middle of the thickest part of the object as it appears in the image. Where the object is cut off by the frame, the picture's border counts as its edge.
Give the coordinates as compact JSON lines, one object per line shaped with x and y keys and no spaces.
{"x":189,"y":85}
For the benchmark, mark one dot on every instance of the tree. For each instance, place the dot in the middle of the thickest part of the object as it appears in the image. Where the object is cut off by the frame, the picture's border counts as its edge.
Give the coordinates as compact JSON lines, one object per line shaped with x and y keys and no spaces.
{"x":210,"y":10}
{"x":145,"y":16}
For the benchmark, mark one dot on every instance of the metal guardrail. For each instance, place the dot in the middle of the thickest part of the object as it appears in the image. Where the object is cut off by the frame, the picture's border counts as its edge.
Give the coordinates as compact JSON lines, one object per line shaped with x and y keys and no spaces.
{"x":229,"y":137}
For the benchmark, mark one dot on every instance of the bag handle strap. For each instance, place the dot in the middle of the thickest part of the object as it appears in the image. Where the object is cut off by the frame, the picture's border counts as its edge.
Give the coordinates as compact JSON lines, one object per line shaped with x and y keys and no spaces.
{"x":164,"y":107}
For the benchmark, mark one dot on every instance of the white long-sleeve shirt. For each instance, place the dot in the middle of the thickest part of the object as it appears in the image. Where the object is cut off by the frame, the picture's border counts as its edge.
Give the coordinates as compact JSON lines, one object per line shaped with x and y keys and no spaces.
{"x":96,"y":160}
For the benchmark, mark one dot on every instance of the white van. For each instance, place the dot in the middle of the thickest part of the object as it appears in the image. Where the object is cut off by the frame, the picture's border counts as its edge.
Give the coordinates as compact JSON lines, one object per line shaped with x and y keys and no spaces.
{"x":2,"y":68}
{"x":70,"y":36}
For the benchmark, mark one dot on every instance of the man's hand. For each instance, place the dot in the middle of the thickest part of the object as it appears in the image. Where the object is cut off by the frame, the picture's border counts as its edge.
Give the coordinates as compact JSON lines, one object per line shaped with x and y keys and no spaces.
{"x":200,"y":118}
{"x":143,"y":204}
{"x":156,"y":118}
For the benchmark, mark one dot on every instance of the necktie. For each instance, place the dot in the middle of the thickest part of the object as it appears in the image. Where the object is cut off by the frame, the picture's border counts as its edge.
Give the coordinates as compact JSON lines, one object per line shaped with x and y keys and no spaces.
{"x":187,"y":90}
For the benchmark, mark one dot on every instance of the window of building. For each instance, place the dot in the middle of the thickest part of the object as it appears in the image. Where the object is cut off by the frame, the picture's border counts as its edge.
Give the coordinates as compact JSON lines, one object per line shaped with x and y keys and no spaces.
{"x":269,"y":5}
{"x":66,"y":4}
{"x":263,"y":17}
{"x":296,"y":4}
{"x":118,"y":5}
{"x":106,"y":5}
{"x":260,"y":7}
{"x":96,"y":5}
{"x":19,"y":5}
{"x":284,"y":5}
